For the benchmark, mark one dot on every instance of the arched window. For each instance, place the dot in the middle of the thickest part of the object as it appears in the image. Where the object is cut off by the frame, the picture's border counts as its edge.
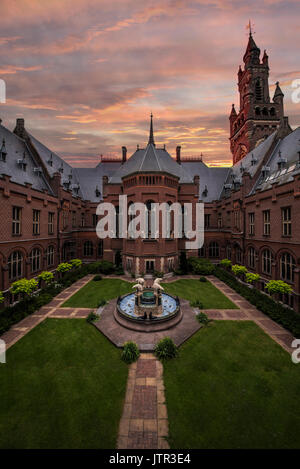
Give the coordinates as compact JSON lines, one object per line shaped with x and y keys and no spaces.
{"x":100,"y":248}
{"x":258,"y":90}
{"x":213,"y":250}
{"x":238,"y":255}
{"x":88,"y":248}
{"x":50,"y":255}
{"x":266,"y":261}
{"x":15,"y":265}
{"x":251,"y":257}
{"x":287,"y":266}
{"x":35,"y":260}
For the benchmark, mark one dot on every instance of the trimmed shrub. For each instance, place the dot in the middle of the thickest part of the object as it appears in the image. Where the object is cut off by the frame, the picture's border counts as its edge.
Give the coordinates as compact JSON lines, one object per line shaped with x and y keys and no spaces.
{"x":203,"y":318}
{"x":284,"y":316}
{"x":226,"y":263}
{"x":130,"y":352}
{"x":64,"y":267}
{"x":24,"y":286}
{"x":1,"y":297}
{"x":75,"y":263}
{"x":278,"y":286}
{"x":196,"y":304}
{"x":239,"y":270}
{"x":200,"y":266}
{"x":101,"y":303}
{"x":97,"y":278}
{"x":166,"y":349}
{"x":203,"y":279}
{"x":250,"y":277}
{"x":47,"y":277}
{"x":92,"y":317}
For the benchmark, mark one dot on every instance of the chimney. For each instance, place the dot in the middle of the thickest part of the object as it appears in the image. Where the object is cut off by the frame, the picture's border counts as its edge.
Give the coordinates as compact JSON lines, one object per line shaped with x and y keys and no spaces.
{"x":20,"y":128}
{"x":124,"y":154}
{"x":178,"y":150}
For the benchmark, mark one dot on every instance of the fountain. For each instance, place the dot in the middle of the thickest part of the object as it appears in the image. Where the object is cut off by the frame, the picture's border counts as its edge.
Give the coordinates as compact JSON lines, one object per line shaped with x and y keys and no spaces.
{"x":148,"y":306}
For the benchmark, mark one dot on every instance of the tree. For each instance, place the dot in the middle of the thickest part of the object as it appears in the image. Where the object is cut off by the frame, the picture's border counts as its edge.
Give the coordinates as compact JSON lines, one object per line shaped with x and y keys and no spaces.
{"x":24,"y":286}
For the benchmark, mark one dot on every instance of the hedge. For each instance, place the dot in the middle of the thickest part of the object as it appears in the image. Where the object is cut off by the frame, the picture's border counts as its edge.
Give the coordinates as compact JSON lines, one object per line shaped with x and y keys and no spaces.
{"x":13,"y":314}
{"x":286,"y":317}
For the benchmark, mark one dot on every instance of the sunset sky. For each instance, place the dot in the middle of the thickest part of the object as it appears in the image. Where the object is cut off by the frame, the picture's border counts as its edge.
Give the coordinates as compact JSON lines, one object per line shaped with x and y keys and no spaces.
{"x":85,"y":74}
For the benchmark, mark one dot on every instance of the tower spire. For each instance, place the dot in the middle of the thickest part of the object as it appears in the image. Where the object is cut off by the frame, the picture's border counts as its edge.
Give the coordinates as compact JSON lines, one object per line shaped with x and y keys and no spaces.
{"x":151,"y":136}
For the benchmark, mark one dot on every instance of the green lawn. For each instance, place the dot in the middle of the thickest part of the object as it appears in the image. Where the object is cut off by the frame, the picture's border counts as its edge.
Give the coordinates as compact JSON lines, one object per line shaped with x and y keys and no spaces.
{"x":92,"y":293}
{"x":233,"y":387}
{"x":208,"y":294}
{"x":63,"y":386}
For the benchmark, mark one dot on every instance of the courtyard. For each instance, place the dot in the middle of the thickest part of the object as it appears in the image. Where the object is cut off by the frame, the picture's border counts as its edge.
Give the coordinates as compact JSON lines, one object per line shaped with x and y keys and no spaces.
{"x":231,"y":386}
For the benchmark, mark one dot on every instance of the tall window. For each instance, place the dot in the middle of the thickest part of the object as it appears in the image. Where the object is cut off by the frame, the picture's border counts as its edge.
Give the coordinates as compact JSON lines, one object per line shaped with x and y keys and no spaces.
{"x":220,"y":221}
{"x":266,"y":261}
{"x":50,"y":255}
{"x":88,"y":248}
{"x":266,"y":221}
{"x":95,"y":219}
{"x":207,"y":220}
{"x":213,"y":249}
{"x":100,"y":248}
{"x":36,"y":222}
{"x":50,"y":223}
{"x":251,"y":223}
{"x":228,"y":251}
{"x":251,"y":257}
{"x":117,"y":221}
{"x":73,"y":219}
{"x":201,"y":252}
{"x":15,"y":265}
{"x":35,"y":260}
{"x":82,"y":220}
{"x":286,"y":221}
{"x":237,"y":223}
{"x":238,"y":255}
{"x":16,"y":220}
{"x":287,"y":266}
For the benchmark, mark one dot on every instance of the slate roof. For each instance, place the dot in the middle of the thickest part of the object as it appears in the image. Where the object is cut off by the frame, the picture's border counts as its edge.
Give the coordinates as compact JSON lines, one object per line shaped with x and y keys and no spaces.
{"x":151,"y":160}
{"x":16,"y":148}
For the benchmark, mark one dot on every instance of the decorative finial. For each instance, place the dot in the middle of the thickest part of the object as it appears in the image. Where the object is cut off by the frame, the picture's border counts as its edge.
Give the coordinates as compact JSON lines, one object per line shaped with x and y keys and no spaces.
{"x":151,"y":136}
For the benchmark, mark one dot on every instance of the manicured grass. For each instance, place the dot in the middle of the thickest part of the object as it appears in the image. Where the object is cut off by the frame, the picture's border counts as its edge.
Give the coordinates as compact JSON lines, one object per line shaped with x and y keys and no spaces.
{"x":233,"y":387}
{"x":63,"y":386}
{"x":208,"y":294}
{"x":92,"y":293}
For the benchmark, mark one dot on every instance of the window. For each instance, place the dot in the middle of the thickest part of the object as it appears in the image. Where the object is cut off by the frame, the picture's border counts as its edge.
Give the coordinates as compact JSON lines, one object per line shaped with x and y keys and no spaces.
{"x":228,"y":251}
{"x":238,"y":255}
{"x":213,"y":250}
{"x":50,"y":223}
{"x":237,"y":219}
{"x":129,"y":264}
{"x":36,"y":222}
{"x":50,"y":255}
{"x":220,"y":221}
{"x":201,"y":252}
{"x":266,"y":261}
{"x":35,"y":260}
{"x":88,"y":248}
{"x":286,"y":221}
{"x":117,"y":221}
{"x":82,"y":220}
{"x":15,"y":265}
{"x":73,"y":219}
{"x":170,"y":264}
{"x":206,"y":220}
{"x":287,"y":266}
{"x":266,"y":221}
{"x":100,"y":248}
{"x":95,"y":219}
{"x":251,"y":257}
{"x":16,"y":221}
{"x":251,"y":223}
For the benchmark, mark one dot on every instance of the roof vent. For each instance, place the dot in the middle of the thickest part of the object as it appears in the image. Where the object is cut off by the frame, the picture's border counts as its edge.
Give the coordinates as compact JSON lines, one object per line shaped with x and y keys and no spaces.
{"x":281,"y":161}
{"x":3,"y":151}
{"x":253,"y":160}
{"x":50,"y":161}
{"x":37,"y":171}
{"x":265,"y":170}
{"x":22,"y":162}
{"x":205,"y":191}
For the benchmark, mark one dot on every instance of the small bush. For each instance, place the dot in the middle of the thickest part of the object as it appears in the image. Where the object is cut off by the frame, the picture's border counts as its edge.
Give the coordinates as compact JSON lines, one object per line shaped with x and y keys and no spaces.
{"x":76,"y":263}
{"x":203,"y":319}
{"x":239,"y":270}
{"x":64,"y":267}
{"x":278,"y":286}
{"x":166,"y":349}
{"x":130,"y":352}
{"x":47,"y":277}
{"x":101,"y":303}
{"x":196,"y":304}
{"x":203,"y":279}
{"x":92,"y":317}
{"x":200,"y":266}
{"x":250,"y":277}
{"x":97,"y":278}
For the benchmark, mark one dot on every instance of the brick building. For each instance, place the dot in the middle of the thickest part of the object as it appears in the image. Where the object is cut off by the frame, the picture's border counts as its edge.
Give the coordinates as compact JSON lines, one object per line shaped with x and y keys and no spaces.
{"x":48,"y":208}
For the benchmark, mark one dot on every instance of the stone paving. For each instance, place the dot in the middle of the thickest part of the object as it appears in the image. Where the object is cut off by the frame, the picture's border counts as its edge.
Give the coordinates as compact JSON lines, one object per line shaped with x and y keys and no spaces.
{"x":52,"y":310}
{"x":144,"y":423}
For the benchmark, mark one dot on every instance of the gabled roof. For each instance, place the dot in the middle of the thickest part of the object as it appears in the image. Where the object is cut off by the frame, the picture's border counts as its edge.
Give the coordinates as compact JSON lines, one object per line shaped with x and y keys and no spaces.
{"x":211,"y":179}
{"x":17,"y":149}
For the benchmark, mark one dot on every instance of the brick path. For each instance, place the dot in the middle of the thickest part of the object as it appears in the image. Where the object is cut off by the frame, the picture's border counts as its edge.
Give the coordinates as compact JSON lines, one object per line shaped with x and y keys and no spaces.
{"x":52,"y":310}
{"x":248,"y":312}
{"x":144,"y":423}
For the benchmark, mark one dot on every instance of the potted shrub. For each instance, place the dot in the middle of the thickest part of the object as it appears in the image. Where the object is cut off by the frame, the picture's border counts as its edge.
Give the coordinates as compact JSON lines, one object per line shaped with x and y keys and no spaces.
{"x":226,"y":263}
{"x":75,"y":263}
{"x":25,"y":287}
{"x":46,"y":277}
{"x":63,"y":268}
{"x":252,"y":278}
{"x":239,"y":270}
{"x":278,"y":286}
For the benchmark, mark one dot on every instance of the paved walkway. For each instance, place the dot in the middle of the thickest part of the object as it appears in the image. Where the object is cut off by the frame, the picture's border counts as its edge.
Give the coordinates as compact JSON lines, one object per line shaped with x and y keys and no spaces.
{"x":52,"y":310}
{"x":248,"y":312}
{"x":144,"y":423}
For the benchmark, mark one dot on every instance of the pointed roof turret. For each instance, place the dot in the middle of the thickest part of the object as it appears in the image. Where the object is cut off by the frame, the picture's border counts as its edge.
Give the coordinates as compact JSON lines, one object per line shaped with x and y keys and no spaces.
{"x":265,"y":59}
{"x":151,"y":135}
{"x":233,"y":113}
{"x":278,"y":91}
{"x":252,"y":52}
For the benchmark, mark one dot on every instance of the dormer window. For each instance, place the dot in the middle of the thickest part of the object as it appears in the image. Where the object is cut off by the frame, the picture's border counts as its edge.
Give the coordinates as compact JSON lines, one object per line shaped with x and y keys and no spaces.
{"x":61,"y":169}
{"x":22,"y":162}
{"x":97,"y":192}
{"x":253,"y":160}
{"x":265,"y":171}
{"x":37,"y":171}
{"x":205,"y":192}
{"x":50,"y":161}
{"x":3,"y":151}
{"x":281,"y":161}
{"x":70,"y":176}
